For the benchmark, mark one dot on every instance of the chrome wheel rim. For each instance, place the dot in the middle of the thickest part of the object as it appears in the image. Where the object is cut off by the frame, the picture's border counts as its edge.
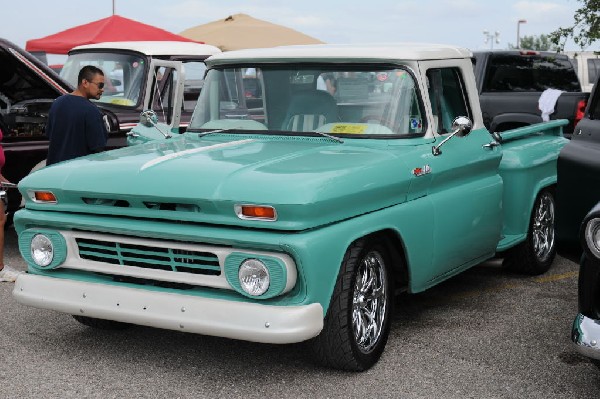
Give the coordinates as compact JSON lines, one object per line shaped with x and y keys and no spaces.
{"x":543,"y":227}
{"x":369,"y":302}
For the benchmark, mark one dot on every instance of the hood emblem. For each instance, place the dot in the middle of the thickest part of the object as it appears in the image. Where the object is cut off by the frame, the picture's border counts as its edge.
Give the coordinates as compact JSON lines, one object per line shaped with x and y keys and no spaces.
{"x":424,"y":170}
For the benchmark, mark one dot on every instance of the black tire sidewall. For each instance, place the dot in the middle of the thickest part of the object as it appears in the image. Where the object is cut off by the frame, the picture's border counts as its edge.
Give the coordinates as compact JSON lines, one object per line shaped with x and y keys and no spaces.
{"x":522,"y":257}
{"x":542,"y":266}
{"x":366,"y":360}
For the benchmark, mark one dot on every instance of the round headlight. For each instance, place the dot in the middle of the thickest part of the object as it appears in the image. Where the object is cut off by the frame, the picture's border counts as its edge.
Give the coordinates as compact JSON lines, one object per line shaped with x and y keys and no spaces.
{"x":42,"y":250}
{"x":592,"y":236}
{"x":254,"y":277}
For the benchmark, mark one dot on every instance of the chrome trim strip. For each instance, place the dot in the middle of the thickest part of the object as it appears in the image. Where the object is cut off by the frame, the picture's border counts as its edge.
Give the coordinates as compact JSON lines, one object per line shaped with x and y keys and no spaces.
{"x":178,"y":154}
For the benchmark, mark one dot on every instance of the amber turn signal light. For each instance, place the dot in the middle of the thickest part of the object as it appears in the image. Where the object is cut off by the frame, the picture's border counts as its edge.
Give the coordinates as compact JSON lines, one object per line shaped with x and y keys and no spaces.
{"x":44,"y":196}
{"x":256,"y":212}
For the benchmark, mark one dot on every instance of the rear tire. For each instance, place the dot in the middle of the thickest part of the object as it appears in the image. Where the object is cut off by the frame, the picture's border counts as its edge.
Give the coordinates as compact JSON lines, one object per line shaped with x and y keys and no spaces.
{"x":101,"y":324}
{"x":535,"y":255}
{"x":357,"y":323}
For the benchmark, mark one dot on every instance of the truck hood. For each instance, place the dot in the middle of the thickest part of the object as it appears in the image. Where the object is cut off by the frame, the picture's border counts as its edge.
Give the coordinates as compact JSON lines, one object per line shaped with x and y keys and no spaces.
{"x":24,"y":77}
{"x":309,"y":181}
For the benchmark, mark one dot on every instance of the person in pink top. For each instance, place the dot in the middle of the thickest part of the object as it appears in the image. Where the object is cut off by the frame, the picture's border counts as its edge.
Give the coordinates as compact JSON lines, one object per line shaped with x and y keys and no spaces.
{"x":6,"y":273}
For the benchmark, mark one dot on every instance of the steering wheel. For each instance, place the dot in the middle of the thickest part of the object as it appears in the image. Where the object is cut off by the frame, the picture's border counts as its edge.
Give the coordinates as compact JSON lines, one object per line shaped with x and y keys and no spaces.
{"x":372,"y":119}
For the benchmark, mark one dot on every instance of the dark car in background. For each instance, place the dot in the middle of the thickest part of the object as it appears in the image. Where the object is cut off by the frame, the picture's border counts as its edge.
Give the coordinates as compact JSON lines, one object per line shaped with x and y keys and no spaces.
{"x":585,"y":332}
{"x":578,"y":174}
{"x":27,"y":89}
{"x":578,"y":221}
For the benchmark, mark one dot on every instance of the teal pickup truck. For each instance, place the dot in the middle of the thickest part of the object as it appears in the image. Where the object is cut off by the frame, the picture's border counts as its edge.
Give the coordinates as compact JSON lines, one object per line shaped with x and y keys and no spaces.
{"x":312,"y":185}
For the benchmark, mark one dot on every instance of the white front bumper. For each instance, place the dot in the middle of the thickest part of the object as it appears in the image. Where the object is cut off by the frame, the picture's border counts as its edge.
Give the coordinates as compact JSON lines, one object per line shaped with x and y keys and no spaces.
{"x":231,"y":319}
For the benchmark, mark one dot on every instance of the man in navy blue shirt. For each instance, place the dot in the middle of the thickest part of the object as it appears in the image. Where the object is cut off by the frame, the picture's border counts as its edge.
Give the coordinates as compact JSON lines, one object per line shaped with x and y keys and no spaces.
{"x":75,"y":125}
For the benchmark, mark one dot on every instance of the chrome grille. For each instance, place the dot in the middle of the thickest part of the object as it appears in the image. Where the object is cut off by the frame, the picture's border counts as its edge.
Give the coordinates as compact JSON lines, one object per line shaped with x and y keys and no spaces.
{"x":169,"y":259}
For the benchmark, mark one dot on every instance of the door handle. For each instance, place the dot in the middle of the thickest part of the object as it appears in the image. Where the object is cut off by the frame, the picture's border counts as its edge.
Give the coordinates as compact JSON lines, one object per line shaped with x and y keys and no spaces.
{"x":491,"y":145}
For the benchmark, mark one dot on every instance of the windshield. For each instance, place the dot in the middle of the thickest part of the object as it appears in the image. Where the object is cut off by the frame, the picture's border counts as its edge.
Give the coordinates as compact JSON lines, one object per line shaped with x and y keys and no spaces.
{"x":362,"y":100}
{"x":123,"y":75}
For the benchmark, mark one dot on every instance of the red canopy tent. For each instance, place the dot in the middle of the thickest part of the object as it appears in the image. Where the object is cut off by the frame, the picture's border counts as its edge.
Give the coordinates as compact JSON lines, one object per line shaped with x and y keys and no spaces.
{"x":112,"y":29}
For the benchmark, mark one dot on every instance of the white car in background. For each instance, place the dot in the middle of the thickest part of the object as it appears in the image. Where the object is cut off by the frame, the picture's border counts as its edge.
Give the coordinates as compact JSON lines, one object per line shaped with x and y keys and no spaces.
{"x":587,"y":65}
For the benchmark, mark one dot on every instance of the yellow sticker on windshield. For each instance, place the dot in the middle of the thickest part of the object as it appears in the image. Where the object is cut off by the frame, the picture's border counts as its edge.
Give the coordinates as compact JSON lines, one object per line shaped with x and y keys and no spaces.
{"x":348,"y":128}
{"x":121,"y":101}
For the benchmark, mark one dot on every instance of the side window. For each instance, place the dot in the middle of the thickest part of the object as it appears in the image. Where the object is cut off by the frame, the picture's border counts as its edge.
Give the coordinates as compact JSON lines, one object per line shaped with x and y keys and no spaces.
{"x":593,"y":69}
{"x":252,"y":84}
{"x":510,"y":73}
{"x":448,"y":97}
{"x":194,"y":80}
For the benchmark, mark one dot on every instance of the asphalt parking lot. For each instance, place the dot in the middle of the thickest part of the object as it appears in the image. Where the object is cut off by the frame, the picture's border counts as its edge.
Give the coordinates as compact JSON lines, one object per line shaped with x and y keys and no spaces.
{"x":484,"y":334}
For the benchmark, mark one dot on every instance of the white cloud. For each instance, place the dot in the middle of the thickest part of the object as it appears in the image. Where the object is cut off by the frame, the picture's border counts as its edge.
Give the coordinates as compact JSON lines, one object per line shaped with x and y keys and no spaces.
{"x":538,"y":9}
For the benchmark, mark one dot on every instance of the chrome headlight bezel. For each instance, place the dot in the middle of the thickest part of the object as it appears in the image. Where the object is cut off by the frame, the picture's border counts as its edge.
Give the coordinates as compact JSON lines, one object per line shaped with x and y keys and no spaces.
{"x":59,"y":248}
{"x":281,"y":268}
{"x":591,"y":233}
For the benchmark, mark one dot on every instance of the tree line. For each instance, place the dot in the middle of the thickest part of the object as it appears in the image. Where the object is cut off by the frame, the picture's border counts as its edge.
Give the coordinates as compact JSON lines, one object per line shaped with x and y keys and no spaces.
{"x":584,"y":31}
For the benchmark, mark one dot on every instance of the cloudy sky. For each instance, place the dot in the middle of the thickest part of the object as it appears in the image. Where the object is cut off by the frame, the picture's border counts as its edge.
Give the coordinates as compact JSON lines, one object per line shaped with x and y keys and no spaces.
{"x":458,"y":22}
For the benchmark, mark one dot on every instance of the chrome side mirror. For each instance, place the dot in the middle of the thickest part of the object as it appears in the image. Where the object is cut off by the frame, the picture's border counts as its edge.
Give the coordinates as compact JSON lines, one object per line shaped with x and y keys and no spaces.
{"x":148,"y":118}
{"x":461,"y":127}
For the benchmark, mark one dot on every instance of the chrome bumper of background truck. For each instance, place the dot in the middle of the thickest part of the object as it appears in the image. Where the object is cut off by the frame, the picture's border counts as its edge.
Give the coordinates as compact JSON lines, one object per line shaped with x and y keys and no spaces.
{"x":585,"y":334}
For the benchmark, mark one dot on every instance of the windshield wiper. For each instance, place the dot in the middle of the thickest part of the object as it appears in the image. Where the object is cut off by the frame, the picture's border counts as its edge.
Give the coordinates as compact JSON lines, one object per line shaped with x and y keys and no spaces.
{"x":214,"y":131}
{"x":329,"y":136}
{"x":339,"y":140}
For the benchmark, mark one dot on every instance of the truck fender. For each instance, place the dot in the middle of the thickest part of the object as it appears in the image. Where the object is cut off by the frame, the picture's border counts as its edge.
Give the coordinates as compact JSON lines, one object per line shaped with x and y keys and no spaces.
{"x":38,"y":166}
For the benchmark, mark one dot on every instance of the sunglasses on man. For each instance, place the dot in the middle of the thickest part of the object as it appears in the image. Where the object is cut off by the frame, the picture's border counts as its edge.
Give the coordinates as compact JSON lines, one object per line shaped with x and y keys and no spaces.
{"x":100,"y":85}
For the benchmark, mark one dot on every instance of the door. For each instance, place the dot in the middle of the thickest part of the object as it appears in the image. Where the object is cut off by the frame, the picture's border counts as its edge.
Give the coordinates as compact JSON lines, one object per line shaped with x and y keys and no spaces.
{"x":465,"y":188}
{"x":164,"y":92}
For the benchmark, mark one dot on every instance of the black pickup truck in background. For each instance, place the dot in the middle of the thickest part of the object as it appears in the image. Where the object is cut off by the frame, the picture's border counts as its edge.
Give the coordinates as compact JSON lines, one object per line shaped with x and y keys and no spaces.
{"x":578,"y":174}
{"x":510,"y":83}
{"x":578,"y":222}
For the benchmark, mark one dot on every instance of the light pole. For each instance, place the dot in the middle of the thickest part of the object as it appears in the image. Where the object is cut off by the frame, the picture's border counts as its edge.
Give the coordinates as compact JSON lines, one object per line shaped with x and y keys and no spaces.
{"x":491,"y":37}
{"x":519,"y":22}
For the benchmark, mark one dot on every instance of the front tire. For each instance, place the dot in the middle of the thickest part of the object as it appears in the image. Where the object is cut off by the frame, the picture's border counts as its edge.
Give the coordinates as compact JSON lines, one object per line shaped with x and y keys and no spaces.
{"x":357,"y":323}
{"x":535,"y":255}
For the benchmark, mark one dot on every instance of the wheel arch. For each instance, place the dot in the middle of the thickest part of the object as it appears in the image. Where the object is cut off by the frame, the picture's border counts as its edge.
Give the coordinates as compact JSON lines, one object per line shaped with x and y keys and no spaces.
{"x":337,"y":344}
{"x":535,"y":254}
{"x":517,"y":224}
{"x":525,"y":174}
{"x":395,"y":247}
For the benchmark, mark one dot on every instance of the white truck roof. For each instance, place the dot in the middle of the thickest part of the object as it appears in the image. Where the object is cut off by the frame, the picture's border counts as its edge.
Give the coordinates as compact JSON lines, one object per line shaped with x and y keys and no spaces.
{"x":155,"y":47}
{"x":344,"y":52}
